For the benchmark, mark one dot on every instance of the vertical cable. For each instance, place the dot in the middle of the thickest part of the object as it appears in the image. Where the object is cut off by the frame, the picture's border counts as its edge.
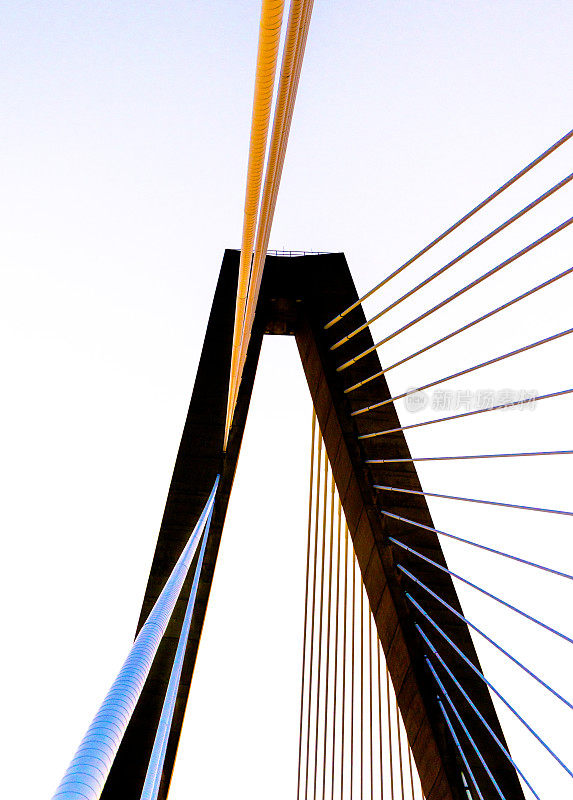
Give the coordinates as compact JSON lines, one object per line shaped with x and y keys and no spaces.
{"x":380,"y":726}
{"x":328,"y":626}
{"x":312,"y":616}
{"x":399,"y":749}
{"x":320,"y":620}
{"x":411,"y":773}
{"x":352,"y":674}
{"x":371,"y":706}
{"x":337,"y":612}
{"x":361,"y":688}
{"x":344,"y":648}
{"x":390,"y":733}
{"x":371,"y":702}
{"x":309,"y":540}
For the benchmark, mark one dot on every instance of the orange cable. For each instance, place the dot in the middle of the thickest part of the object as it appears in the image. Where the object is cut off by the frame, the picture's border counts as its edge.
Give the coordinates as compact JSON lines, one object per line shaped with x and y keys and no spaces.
{"x":268,"y":47}
{"x":453,"y":227}
{"x":399,"y":749}
{"x":380,"y":726}
{"x":344,"y":648}
{"x":390,"y":733}
{"x":313,"y":616}
{"x":337,"y":615}
{"x":328,"y":617}
{"x":320,"y":623}
{"x":309,"y":540}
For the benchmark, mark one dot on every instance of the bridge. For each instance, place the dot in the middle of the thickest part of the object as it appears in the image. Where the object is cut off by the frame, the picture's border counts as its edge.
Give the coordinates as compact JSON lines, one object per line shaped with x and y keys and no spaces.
{"x":394,"y":699}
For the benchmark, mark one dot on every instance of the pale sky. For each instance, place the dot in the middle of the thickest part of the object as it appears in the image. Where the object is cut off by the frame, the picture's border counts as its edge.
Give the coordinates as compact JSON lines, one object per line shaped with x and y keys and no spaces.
{"x":125,"y":132}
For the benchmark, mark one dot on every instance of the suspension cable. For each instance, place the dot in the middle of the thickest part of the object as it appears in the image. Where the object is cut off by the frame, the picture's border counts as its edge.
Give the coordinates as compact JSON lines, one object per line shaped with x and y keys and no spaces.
{"x":463,"y":290}
{"x":295,"y":44}
{"x":150,"y":790}
{"x":102,"y":739}
{"x":380,"y":726}
{"x":361,"y":589}
{"x":321,"y":667}
{"x":312,"y":615}
{"x":478,"y":545}
{"x":473,"y":706}
{"x":488,"y":683}
{"x":371,"y":704}
{"x":453,"y":227}
{"x":353,"y":637}
{"x":361,"y":688}
{"x":411,"y":772}
{"x":456,"y":260}
{"x":480,"y":589}
{"x":461,"y":617}
{"x":304,"y":638}
{"x":468,"y":413}
{"x":461,"y":458}
{"x":460,"y":330}
{"x":269,"y":38}
{"x":338,"y":565}
{"x":473,"y":500}
{"x":459,"y":748}
{"x":320,"y":620}
{"x":466,"y":371}
{"x":401,"y":770}
{"x":344,"y":648}
{"x":476,"y":749}
{"x":390,"y":748}
{"x":328,"y":617}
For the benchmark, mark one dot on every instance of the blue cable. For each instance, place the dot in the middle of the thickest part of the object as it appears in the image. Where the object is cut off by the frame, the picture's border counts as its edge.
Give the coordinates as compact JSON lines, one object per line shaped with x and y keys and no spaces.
{"x":490,"y":685}
{"x":476,"y":544}
{"x":467,"y":733}
{"x":460,"y":750}
{"x":480,"y":589}
{"x":486,"y":637}
{"x":475,"y":708}
{"x":154,"y":773}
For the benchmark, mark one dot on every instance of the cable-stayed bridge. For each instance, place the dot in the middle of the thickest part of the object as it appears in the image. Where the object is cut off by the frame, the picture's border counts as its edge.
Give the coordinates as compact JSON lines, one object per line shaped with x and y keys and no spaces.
{"x":394,"y":700}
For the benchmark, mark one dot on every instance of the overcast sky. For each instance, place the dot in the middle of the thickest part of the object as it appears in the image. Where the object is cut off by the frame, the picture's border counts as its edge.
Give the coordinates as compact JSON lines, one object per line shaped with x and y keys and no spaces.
{"x":125,"y":129}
